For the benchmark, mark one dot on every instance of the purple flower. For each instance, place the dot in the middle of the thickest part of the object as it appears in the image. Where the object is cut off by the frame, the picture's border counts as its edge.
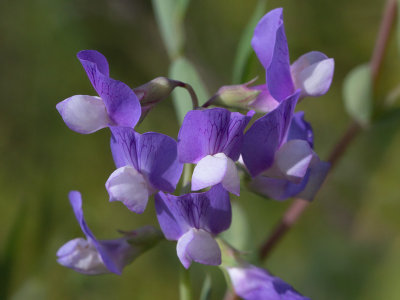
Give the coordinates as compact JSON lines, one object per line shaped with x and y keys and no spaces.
{"x":311,"y":73}
{"x":146,"y":163}
{"x":212,"y":139}
{"x":252,"y":283}
{"x":278,"y":152}
{"x":116,"y":106}
{"x":91,"y":256}
{"x":193,"y":220}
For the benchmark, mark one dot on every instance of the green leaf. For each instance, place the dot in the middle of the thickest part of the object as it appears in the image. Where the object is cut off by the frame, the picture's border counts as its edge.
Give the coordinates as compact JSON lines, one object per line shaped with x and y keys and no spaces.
{"x":206,"y":289}
{"x":238,"y":235}
{"x":185,"y":285}
{"x":170,"y":15}
{"x":357,"y":94}
{"x":183,"y":70}
{"x":244,"y":49}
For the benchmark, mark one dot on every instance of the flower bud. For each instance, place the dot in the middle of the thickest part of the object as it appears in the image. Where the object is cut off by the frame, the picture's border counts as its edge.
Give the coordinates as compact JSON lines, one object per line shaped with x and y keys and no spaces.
{"x":236,"y":95}
{"x":155,"y":90}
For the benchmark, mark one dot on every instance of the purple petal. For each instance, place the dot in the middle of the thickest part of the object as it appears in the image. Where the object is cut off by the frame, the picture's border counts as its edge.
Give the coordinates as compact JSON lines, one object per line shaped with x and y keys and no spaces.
{"x":109,"y":260}
{"x":252,"y":283}
{"x":84,"y":114}
{"x":275,"y":188}
{"x":264,"y":101}
{"x":127,"y":185}
{"x":318,"y":172}
{"x":152,"y":154}
{"x":266,"y":136}
{"x":122,"y":105}
{"x":313,"y":73}
{"x":210,"y":211}
{"x":214,"y":169}
{"x":211,"y":131}
{"x":270,"y":44}
{"x":199,"y":246}
{"x":300,"y":129}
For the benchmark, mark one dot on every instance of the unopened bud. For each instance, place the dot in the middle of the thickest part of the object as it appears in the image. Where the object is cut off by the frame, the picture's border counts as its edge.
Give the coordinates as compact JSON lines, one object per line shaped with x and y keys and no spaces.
{"x":236,"y":95}
{"x":155,"y":90}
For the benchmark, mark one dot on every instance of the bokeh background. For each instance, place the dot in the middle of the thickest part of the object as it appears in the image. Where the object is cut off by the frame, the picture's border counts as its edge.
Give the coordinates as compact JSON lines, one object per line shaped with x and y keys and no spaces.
{"x":346,"y":246}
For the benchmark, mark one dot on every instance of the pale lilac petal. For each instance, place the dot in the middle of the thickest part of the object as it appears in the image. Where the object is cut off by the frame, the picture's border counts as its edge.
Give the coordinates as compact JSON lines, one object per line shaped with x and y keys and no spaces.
{"x":252,"y":283}
{"x":81,"y":256}
{"x":264,"y":101}
{"x":300,"y":129}
{"x":84,"y":114}
{"x":127,"y":185}
{"x":266,"y":135}
{"x":122,"y":105}
{"x":214,"y":169}
{"x":211,"y":131}
{"x":199,"y":246}
{"x":313,"y":73}
{"x":152,"y":154}
{"x":293,"y":159}
{"x":318,"y":172}
{"x":210,"y":211}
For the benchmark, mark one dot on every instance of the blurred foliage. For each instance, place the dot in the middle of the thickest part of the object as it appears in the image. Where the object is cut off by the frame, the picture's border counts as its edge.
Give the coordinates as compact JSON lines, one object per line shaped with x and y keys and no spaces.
{"x":345,"y":247}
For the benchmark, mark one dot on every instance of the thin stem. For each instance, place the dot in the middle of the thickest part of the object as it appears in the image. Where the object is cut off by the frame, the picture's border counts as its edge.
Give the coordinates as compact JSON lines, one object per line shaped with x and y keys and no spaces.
{"x":185,"y":286}
{"x":191,"y":92}
{"x":298,"y":206}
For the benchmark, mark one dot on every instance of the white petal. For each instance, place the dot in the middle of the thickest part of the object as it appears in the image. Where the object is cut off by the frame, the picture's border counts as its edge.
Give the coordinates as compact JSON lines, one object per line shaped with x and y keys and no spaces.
{"x":199,"y":246}
{"x":214,"y":169}
{"x":127,"y":185}
{"x":84,"y":114}
{"x":81,"y":255}
{"x":293,"y":159}
{"x":313,"y":73}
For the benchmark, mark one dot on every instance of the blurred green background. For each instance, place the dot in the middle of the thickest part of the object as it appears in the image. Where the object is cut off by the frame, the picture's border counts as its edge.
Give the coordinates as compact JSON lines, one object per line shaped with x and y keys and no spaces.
{"x":346,"y":246}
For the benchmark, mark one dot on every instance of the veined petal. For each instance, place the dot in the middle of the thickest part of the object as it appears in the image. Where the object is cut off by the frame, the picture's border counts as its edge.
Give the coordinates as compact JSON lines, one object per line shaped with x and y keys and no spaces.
{"x":293,"y":159}
{"x":313,"y":73}
{"x":127,"y":185}
{"x":210,"y":211}
{"x":81,"y":256}
{"x":84,"y":114}
{"x":252,"y":283}
{"x":214,"y":169}
{"x":122,"y":105}
{"x":199,"y":246}
{"x":211,"y":131}
{"x":266,"y":135}
{"x":152,"y":154}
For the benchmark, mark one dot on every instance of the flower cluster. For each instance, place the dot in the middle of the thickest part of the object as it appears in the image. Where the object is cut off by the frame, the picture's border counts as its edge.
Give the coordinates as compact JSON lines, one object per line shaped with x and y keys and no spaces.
{"x":276,"y":154}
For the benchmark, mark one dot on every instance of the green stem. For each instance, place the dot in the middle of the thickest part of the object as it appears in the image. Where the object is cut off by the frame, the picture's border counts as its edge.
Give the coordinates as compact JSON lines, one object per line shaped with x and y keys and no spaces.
{"x":185,"y":286}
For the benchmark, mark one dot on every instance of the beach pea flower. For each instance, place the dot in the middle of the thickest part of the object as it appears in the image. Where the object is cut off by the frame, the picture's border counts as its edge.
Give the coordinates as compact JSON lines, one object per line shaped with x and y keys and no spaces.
{"x":117,"y":104}
{"x":278,"y":153}
{"x":146,"y":163}
{"x":253,"y":283}
{"x":212,"y":139}
{"x":91,"y":256}
{"x":312,"y":73}
{"x":193,"y":220}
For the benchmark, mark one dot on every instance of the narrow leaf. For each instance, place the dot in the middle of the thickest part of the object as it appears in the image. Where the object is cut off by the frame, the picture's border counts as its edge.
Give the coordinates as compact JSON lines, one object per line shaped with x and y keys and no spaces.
{"x":357,"y":94}
{"x":206,"y":289}
{"x":183,"y":70}
{"x":244,"y":50}
{"x":170,"y":15}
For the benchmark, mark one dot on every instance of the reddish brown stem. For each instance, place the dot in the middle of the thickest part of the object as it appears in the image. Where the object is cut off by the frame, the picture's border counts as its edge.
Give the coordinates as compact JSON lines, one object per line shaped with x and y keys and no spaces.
{"x":298,"y":206}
